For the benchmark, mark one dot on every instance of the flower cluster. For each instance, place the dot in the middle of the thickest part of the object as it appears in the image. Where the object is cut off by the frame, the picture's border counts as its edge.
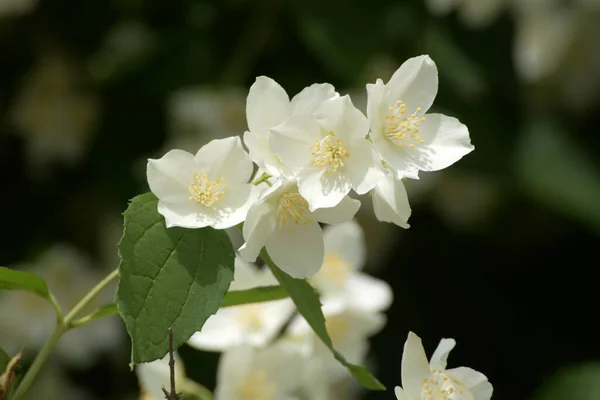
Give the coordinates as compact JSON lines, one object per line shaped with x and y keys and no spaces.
{"x":311,"y":152}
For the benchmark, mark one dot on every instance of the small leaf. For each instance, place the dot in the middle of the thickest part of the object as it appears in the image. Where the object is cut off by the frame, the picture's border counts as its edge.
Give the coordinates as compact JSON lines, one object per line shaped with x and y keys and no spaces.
{"x":7,"y":379}
{"x":169,"y":277}
{"x":104,"y":311}
{"x":308,"y":304}
{"x":21,"y":280}
{"x":256,"y":295}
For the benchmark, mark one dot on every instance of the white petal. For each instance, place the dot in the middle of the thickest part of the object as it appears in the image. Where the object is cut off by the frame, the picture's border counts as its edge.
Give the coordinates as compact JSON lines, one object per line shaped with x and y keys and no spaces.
{"x":322,"y":190}
{"x":446,"y":141}
{"x":363,"y":167}
{"x":186,"y":215}
{"x":415,"y":83}
{"x":233,"y":367}
{"x":344,"y":211}
{"x":267,"y":105}
{"x":153,"y":376}
{"x":225,"y":158}
{"x":401,"y":394}
{"x":343,"y":119}
{"x":368,"y":293}
{"x":311,"y":97}
{"x":283,"y":364}
{"x":298,"y":251}
{"x":220,"y":332}
{"x":169,"y":176}
{"x":245,"y":275}
{"x":390,"y":202}
{"x":396,"y":158}
{"x":346,"y":239}
{"x":234,"y":205}
{"x":439,"y":358}
{"x":292,"y":141}
{"x":476,"y":382}
{"x":259,"y":226}
{"x":415,"y":367}
{"x":375,"y":92}
{"x":261,"y":154}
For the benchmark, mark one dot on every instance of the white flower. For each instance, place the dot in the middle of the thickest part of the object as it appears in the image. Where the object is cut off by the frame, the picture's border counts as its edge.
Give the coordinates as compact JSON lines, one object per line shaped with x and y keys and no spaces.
{"x":246,"y":373}
{"x":282,"y":222}
{"x":155,"y":375}
{"x":349,"y":329}
{"x":340,"y":281}
{"x":407,"y":139}
{"x":424,"y":380}
{"x":267,"y":106}
{"x":328,"y":153}
{"x":254,"y":324}
{"x":390,"y":201}
{"x":209,"y":189}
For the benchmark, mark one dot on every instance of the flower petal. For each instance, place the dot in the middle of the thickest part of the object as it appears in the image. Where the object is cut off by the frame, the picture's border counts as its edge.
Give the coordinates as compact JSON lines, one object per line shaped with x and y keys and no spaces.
{"x":299,"y":250}
{"x":401,"y":394}
{"x":311,"y":97}
{"x":375,"y":92}
{"x":396,"y":158}
{"x":390,"y":202}
{"x":415,"y":367}
{"x":225,"y":158}
{"x":259,"y":226}
{"x":292,"y":141}
{"x":363,"y":167}
{"x":367,"y":293}
{"x":445,"y":141}
{"x":186,"y":215}
{"x":343,"y":119}
{"x":346,"y":239}
{"x":344,"y":211}
{"x":415,"y":83}
{"x":476,"y":382}
{"x":220,"y":332}
{"x":233,"y":368}
{"x":234,"y":205}
{"x":439,"y":358}
{"x":169,"y":176}
{"x":322,"y":190}
{"x":267,"y":105}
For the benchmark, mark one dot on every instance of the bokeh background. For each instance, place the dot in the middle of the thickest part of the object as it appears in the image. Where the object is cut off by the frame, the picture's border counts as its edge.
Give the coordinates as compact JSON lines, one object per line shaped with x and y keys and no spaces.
{"x":503,"y":246}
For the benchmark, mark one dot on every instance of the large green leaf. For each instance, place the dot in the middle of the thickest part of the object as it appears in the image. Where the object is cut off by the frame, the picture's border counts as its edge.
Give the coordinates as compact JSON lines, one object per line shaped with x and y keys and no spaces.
{"x":308,"y":304}
{"x":557,"y":172}
{"x":255,"y":295}
{"x":170,"y":278}
{"x":20,"y":280}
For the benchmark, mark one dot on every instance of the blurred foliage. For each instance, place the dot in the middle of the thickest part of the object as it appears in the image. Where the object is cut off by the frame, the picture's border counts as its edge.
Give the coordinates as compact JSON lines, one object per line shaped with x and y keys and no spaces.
{"x":490,"y":282}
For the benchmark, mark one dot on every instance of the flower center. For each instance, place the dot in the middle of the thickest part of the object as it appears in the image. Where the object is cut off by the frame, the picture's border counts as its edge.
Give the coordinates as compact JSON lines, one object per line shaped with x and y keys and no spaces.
{"x":257,"y":386}
{"x":337,"y":326}
{"x":441,"y":387}
{"x":293,"y":209}
{"x":250,"y":316}
{"x":401,"y":128}
{"x":329,"y":153}
{"x":205,"y":192}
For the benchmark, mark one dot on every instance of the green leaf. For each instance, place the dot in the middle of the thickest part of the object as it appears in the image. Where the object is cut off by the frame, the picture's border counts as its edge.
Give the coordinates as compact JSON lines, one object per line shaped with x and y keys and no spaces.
{"x":169,"y":277}
{"x":308,"y":304}
{"x":21,"y":280}
{"x":555,"y":171}
{"x":256,"y":295}
{"x":4,"y":360}
{"x":104,"y":311}
{"x":574,"y":382}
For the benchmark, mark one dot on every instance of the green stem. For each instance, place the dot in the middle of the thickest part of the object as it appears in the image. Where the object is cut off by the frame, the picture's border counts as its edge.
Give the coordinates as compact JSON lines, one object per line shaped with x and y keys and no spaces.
{"x":263,"y":178}
{"x":63,"y":326}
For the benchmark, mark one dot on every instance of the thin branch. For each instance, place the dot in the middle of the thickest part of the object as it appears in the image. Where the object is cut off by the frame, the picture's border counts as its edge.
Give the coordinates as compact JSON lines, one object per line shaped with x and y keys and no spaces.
{"x":172,"y":395}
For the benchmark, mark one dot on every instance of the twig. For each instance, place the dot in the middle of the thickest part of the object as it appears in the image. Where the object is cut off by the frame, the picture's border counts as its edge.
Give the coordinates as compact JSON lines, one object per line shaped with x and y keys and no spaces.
{"x":172,"y":395}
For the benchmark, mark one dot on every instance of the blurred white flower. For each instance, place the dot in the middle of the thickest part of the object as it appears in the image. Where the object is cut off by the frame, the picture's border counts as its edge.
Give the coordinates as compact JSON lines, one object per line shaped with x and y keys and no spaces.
{"x":27,"y":320}
{"x":474,"y":13}
{"x":328,"y":153}
{"x":208,"y":189}
{"x":282,"y":222}
{"x":54,"y":114}
{"x":200,"y":113}
{"x":247,"y":373}
{"x":408,"y":139}
{"x":253,"y":324}
{"x":155,"y":375}
{"x":267,"y":106}
{"x":340,"y":282}
{"x":423,"y":380}
{"x":390,"y":201}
